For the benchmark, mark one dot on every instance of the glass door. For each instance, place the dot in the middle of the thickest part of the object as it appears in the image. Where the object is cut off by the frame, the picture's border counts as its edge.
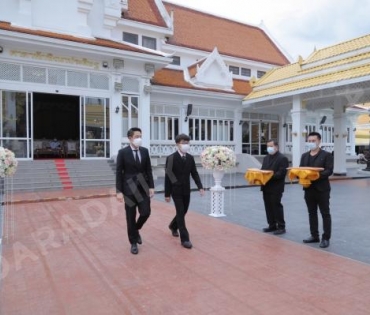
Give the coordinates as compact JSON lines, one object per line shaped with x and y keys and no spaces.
{"x":95,"y":127}
{"x":246,"y":146}
{"x":255,"y":138}
{"x":15,"y":127}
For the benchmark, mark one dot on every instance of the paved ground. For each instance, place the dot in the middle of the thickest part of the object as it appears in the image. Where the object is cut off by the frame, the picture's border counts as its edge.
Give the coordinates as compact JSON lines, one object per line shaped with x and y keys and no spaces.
{"x":66,"y":252}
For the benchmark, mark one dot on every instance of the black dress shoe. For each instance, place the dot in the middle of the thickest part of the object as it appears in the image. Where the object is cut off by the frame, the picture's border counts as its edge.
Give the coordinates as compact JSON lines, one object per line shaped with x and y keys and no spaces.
{"x":134,"y":249}
{"x":139,"y":240}
{"x":269,"y":229}
{"x":174,"y":232}
{"x":187,"y":244}
{"x":279,"y":232}
{"x":311,"y":239}
{"x":324,"y":243}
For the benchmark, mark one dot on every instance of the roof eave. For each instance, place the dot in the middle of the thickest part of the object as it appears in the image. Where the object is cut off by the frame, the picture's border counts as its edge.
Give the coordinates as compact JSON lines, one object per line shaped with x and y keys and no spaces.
{"x":247,"y":102}
{"x":46,"y":41}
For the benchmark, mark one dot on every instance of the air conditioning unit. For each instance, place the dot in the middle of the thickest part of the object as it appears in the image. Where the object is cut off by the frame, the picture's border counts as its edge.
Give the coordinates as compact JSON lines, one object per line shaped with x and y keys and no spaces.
{"x":118,"y":63}
{"x":118,"y":86}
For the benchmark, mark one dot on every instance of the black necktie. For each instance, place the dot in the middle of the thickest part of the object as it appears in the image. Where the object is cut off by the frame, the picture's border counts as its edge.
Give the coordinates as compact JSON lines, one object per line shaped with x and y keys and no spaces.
{"x":137,"y":160}
{"x":184,"y":158}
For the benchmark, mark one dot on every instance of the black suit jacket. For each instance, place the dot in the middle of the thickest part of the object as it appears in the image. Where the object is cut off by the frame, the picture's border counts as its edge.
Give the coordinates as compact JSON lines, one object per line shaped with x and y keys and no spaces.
{"x":321,"y":159}
{"x":279,"y":164}
{"x":177,"y":179}
{"x":129,"y":175}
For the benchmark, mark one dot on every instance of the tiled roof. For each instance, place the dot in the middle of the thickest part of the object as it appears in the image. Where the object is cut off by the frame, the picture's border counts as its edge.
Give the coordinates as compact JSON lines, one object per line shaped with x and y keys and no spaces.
{"x":94,"y":41}
{"x":305,"y":74}
{"x":145,"y":11}
{"x":198,"y":30}
{"x":175,"y":78}
{"x":326,"y":78}
{"x":338,"y":49}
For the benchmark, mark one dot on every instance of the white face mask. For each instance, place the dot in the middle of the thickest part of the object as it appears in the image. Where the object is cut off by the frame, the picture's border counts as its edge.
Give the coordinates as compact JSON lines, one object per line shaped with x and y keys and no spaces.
{"x":137,"y":142}
{"x":270,"y":150}
{"x":184,"y":148}
{"x":312,"y":145}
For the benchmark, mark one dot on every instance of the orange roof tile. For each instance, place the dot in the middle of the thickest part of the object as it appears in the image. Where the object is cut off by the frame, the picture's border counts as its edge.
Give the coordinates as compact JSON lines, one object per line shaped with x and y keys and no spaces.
{"x":95,"y":41}
{"x":175,"y":78}
{"x":145,"y":11}
{"x":193,"y":68}
{"x":204,"y":31}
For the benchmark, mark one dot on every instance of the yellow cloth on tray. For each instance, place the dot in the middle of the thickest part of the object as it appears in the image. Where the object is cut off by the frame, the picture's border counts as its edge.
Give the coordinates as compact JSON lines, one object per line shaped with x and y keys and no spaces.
{"x":305,"y":176}
{"x":256,"y":176}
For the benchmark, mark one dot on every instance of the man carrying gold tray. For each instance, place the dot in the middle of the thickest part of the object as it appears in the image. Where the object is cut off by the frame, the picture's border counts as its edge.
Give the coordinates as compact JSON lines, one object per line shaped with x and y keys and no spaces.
{"x":317,"y":193}
{"x":305,"y":175}
{"x":272,"y":179}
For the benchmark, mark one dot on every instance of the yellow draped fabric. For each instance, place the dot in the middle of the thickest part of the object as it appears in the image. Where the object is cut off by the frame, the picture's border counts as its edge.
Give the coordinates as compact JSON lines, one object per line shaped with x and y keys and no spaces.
{"x":256,"y":176}
{"x":305,"y":175}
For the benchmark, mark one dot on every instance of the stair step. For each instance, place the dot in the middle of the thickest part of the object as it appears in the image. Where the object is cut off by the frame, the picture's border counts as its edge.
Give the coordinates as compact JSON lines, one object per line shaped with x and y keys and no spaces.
{"x":62,"y":174}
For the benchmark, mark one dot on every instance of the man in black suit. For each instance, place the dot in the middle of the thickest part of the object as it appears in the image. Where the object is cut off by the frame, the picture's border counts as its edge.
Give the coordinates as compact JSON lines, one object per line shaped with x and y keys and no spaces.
{"x":274,"y":188}
{"x":134,"y":185}
{"x":179,"y":166}
{"x":318,"y":193}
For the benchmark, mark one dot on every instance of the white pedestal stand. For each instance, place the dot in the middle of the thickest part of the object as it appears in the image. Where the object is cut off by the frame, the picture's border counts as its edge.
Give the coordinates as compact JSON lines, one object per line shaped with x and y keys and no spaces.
{"x":217,"y":195}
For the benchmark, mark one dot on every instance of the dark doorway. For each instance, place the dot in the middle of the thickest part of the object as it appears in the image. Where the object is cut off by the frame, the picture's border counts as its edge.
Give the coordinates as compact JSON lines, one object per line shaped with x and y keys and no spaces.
{"x":56,"y":116}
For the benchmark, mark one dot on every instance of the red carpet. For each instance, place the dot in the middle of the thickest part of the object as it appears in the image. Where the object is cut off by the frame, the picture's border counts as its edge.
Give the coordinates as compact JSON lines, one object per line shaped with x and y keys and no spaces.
{"x":63,"y":174}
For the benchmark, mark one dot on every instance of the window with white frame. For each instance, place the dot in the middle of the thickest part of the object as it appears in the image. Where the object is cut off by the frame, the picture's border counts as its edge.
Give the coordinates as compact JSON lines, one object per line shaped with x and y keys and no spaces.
{"x":327,"y":134}
{"x":163,"y":127}
{"x":176,"y":61}
{"x":202,"y":129}
{"x":288,"y":132}
{"x":234,"y":70}
{"x":310,"y":128}
{"x":245,"y":72}
{"x":260,"y":74}
{"x":131,"y":38}
{"x":130,"y":112}
{"x":149,"y":42}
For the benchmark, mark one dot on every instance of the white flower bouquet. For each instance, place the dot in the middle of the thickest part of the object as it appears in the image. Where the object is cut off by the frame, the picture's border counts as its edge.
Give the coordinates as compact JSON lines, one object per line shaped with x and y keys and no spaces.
{"x":8,"y":162}
{"x":218,"y":157}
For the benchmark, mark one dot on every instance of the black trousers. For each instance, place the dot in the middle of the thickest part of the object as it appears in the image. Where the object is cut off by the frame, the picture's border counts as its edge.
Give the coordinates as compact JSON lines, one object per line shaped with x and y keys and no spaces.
{"x":141,"y":201}
{"x":318,"y":199}
{"x":178,"y":222}
{"x":274,"y":210}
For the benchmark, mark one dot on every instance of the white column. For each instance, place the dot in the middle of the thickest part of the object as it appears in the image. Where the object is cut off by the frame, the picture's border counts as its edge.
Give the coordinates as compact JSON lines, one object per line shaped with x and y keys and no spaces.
{"x":116,"y":133}
{"x":298,"y":113}
{"x":184,"y":125}
{"x":25,"y":13}
{"x":144,"y":111}
{"x":352,"y":139}
{"x":340,"y":140}
{"x":238,"y":139}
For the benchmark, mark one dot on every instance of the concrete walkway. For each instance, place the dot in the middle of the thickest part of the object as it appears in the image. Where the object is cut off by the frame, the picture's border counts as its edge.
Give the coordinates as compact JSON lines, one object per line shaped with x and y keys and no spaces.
{"x":66,"y":252}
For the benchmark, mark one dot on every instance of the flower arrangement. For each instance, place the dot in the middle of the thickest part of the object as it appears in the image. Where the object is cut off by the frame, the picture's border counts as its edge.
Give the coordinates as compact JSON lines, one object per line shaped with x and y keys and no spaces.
{"x":8,"y":162}
{"x":218,"y":157}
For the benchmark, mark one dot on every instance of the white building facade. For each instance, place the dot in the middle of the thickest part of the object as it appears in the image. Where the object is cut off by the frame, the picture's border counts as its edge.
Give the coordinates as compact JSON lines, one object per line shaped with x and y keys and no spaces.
{"x":85,"y":71}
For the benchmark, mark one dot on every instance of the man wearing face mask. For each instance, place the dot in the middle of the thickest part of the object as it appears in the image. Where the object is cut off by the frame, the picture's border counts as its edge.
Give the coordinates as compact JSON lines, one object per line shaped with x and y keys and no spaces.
{"x":179,"y":166}
{"x":134,"y":185}
{"x":317,"y":195}
{"x":273,"y":190}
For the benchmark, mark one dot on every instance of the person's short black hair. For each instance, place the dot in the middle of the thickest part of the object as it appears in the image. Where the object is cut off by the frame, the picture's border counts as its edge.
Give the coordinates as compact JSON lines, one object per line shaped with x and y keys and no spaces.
{"x":132,"y":130}
{"x":314,"y":133}
{"x":181,"y":137}
{"x":275,"y":142}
